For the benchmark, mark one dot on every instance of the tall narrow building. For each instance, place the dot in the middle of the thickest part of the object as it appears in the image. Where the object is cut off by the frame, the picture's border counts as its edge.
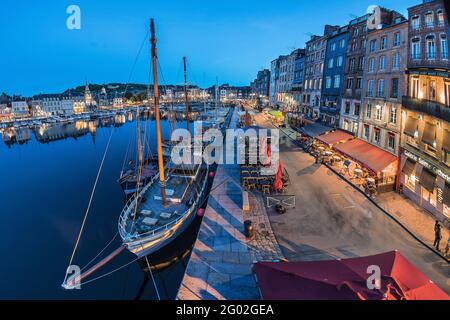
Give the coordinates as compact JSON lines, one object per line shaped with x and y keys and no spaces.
{"x":384,"y":78}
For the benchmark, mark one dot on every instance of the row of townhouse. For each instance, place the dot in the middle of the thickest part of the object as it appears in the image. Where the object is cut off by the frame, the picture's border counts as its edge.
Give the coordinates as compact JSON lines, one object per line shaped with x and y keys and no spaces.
{"x":385,"y":78}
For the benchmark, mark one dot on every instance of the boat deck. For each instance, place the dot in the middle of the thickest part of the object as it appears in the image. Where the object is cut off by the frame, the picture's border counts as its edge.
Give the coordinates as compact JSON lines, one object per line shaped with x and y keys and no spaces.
{"x":151,"y":215}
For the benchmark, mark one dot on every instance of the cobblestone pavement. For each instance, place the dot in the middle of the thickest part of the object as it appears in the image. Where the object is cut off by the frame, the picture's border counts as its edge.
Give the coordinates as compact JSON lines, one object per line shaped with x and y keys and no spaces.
{"x":264,"y":245}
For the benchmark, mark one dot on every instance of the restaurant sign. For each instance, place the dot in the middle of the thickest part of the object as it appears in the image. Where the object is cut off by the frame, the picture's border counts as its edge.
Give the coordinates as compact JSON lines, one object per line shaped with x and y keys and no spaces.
{"x":432,"y":73}
{"x":428,"y":165}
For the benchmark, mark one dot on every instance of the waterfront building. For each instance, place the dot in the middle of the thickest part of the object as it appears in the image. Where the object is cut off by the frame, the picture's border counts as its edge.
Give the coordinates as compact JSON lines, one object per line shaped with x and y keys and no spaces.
{"x":89,"y":102}
{"x":314,"y":66}
{"x":78,"y":104}
{"x":20,"y":108}
{"x":384,"y":78}
{"x":5,"y":112}
{"x":425,"y":158}
{"x":353,"y":75}
{"x":299,"y":78}
{"x":274,"y":74}
{"x":261,"y":85}
{"x":333,"y":75}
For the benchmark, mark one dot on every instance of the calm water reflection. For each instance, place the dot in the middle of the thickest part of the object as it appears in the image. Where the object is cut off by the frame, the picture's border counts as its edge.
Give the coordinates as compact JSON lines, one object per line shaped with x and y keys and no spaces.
{"x":47,"y":174}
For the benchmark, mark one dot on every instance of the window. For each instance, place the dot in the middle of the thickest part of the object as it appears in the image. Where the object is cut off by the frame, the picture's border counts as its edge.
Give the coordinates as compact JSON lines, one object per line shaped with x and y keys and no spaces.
{"x":415,"y":48}
{"x":333,"y":46}
{"x":440,"y":17}
{"x":357,"y":109}
{"x":361,"y":63}
{"x":429,"y":197}
{"x":337,"y":81}
{"x":377,"y":135}
{"x":372,"y":65}
{"x":415,"y":22}
{"x":447,"y":93}
{"x":373,"y":45}
{"x":352,"y":65}
{"x":369,"y":111}
{"x":429,"y":19}
{"x":415,"y":88}
{"x":366,"y":131}
{"x":397,"y":39}
{"x":363,"y":44}
{"x":379,"y":112}
{"x":396,"y":61}
{"x":444,"y":46}
{"x":350,"y":84}
{"x":356,"y":32}
{"x":359,"y":83}
{"x":393,"y":115}
{"x":354,"y":46}
{"x":394,"y":88}
{"x":384,"y":43}
{"x":391,"y":141}
{"x":431,"y":48}
{"x":382,"y":63}
{"x":339,"y":61}
{"x":345,"y":124}
{"x":380,"y":91}
{"x":347,"y":108}
{"x":410,"y":181}
{"x":328,"y":82}
{"x":330,"y":63}
{"x":342,"y":43}
{"x":432,"y":90}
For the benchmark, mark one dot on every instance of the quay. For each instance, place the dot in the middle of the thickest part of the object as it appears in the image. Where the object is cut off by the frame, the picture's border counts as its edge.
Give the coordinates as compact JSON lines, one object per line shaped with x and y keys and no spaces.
{"x":220,"y":266}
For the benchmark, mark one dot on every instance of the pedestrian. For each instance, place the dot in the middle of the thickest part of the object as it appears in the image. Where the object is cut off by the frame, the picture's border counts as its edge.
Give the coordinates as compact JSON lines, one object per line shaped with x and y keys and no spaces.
{"x":437,"y":235}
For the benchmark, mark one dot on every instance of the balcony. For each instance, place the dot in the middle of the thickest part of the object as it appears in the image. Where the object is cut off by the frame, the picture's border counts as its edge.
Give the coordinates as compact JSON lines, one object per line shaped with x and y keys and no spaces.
{"x":436,"y":62}
{"x":428,"y":107}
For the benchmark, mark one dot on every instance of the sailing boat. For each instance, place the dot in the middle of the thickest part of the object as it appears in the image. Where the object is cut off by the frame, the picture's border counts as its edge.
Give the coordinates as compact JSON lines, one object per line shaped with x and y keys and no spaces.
{"x":164,"y":207}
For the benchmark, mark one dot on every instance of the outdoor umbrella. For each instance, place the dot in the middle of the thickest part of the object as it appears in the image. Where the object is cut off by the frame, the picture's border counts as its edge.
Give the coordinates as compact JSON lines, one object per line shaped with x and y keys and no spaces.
{"x":346,"y":280}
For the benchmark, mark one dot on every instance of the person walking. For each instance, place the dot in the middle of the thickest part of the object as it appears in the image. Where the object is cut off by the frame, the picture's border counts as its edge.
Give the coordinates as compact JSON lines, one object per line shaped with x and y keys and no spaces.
{"x":437,"y":235}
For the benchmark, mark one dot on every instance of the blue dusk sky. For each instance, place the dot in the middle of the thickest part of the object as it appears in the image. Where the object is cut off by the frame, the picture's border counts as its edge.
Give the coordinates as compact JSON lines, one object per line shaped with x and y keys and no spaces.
{"x":229,"y":40}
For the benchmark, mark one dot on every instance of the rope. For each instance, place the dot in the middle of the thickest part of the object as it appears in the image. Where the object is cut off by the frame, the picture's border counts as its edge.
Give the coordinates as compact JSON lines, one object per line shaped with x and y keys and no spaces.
{"x":153,"y":279}
{"x":111,"y":272}
{"x":90,"y":202}
{"x":95,"y":258}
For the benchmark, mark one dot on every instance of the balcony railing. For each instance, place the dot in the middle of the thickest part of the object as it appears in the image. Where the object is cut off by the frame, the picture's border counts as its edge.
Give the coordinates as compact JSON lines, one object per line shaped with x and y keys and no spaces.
{"x":431,"y":108}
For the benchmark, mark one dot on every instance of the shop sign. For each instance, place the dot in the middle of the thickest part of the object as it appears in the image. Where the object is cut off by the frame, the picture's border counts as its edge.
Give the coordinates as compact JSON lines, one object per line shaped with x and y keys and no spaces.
{"x":428,"y":165}
{"x":432,"y":73}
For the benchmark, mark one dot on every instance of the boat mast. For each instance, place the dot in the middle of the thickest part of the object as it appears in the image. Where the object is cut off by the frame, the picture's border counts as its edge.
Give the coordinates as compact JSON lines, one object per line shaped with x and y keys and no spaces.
{"x":162,"y":179}
{"x":186,"y":99}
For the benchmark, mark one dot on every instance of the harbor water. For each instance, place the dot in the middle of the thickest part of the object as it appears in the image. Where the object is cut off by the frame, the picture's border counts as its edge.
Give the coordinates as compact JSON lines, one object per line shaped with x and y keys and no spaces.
{"x":48,"y":173}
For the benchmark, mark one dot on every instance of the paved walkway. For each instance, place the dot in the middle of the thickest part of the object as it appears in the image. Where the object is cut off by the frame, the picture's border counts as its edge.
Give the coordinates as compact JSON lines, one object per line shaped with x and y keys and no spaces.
{"x":419,"y":221}
{"x":220,"y":266}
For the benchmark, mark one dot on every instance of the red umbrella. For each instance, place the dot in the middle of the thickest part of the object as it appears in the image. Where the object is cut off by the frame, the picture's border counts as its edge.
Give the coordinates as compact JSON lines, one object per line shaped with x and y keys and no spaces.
{"x":346,"y":280}
{"x":278,"y":185}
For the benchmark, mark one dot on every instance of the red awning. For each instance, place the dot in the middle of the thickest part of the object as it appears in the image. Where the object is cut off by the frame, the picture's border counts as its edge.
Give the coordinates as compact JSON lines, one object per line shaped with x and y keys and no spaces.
{"x":345,"y":280}
{"x":335,"y":137}
{"x":369,"y":156}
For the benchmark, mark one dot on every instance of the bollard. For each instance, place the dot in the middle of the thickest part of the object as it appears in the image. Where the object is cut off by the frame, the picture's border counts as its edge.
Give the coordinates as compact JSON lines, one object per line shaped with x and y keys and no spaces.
{"x":248,"y":229}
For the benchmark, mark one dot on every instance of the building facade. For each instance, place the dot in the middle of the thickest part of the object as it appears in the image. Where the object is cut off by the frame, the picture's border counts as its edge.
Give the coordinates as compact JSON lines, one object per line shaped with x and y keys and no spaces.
{"x":333,"y":75}
{"x":384,"y":77}
{"x":425,"y":159}
{"x":261,"y":85}
{"x":20,"y":108}
{"x":353,"y":76}
{"x":299,"y":78}
{"x":314,"y":67}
